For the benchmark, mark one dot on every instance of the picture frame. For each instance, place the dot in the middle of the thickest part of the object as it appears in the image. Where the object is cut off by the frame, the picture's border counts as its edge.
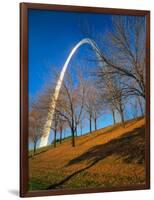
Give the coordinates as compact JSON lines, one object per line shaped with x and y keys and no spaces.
{"x":24,"y":48}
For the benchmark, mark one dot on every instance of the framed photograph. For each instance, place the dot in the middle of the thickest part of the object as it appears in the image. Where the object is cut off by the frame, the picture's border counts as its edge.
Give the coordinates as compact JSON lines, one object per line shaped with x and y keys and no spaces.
{"x":85,"y":99}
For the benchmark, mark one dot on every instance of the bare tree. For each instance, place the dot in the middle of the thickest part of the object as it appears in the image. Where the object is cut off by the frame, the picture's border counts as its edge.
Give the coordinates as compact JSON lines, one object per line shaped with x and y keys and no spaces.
{"x":89,"y":106}
{"x":97,"y":107}
{"x":71,"y":102}
{"x":125,"y":54}
{"x":93,"y":103}
{"x":111,"y":86}
{"x":137,"y":109}
{"x":58,"y":125}
{"x":82,"y":122}
{"x":61,"y":126}
{"x":35,"y":127}
{"x":134,"y":108}
{"x":122,"y":49}
{"x":141,"y":104}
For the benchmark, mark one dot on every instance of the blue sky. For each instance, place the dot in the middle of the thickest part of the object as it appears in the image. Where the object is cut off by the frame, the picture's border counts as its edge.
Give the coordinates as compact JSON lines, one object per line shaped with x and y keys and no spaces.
{"x":52,"y":35}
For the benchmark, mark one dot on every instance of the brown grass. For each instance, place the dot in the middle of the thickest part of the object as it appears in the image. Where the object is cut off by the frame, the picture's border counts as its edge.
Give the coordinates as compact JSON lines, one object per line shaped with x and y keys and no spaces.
{"x":109,"y":157}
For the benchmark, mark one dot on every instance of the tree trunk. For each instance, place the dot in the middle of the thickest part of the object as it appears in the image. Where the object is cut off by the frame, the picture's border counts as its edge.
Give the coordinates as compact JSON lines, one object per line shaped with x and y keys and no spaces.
{"x":73,"y":137}
{"x":122,"y":116}
{"x":55,"y":134}
{"x":60,"y":136}
{"x":81,"y":129}
{"x":76,"y":131}
{"x":34,"y":151}
{"x":140,"y":103}
{"x":64,"y":134}
{"x":95,"y":120}
{"x":90,"y":124}
{"x":113,"y":115}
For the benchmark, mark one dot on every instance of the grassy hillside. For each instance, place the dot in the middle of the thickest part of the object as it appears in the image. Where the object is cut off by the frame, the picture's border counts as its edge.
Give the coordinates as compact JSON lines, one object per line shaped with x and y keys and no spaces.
{"x":109,"y":157}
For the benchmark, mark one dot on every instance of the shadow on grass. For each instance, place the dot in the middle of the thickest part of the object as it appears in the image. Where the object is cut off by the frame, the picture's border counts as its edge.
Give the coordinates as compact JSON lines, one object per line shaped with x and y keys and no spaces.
{"x":131,"y":122}
{"x":130,"y":148}
{"x":113,"y":128}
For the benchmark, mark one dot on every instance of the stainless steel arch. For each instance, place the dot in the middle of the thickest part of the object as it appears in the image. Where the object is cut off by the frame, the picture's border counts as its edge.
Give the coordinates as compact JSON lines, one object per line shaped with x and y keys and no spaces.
{"x":44,"y":139}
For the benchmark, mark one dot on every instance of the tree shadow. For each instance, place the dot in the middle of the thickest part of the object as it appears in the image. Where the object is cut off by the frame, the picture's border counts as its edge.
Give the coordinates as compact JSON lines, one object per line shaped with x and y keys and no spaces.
{"x":130,"y":148}
{"x":131,"y":122}
{"x":113,"y":128}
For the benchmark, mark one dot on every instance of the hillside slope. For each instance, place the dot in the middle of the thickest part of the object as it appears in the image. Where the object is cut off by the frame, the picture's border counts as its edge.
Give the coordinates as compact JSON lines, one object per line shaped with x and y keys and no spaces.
{"x":109,"y":157}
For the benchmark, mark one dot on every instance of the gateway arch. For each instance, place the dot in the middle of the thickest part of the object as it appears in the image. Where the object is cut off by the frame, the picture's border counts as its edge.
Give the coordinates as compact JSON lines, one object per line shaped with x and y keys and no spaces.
{"x":48,"y":124}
